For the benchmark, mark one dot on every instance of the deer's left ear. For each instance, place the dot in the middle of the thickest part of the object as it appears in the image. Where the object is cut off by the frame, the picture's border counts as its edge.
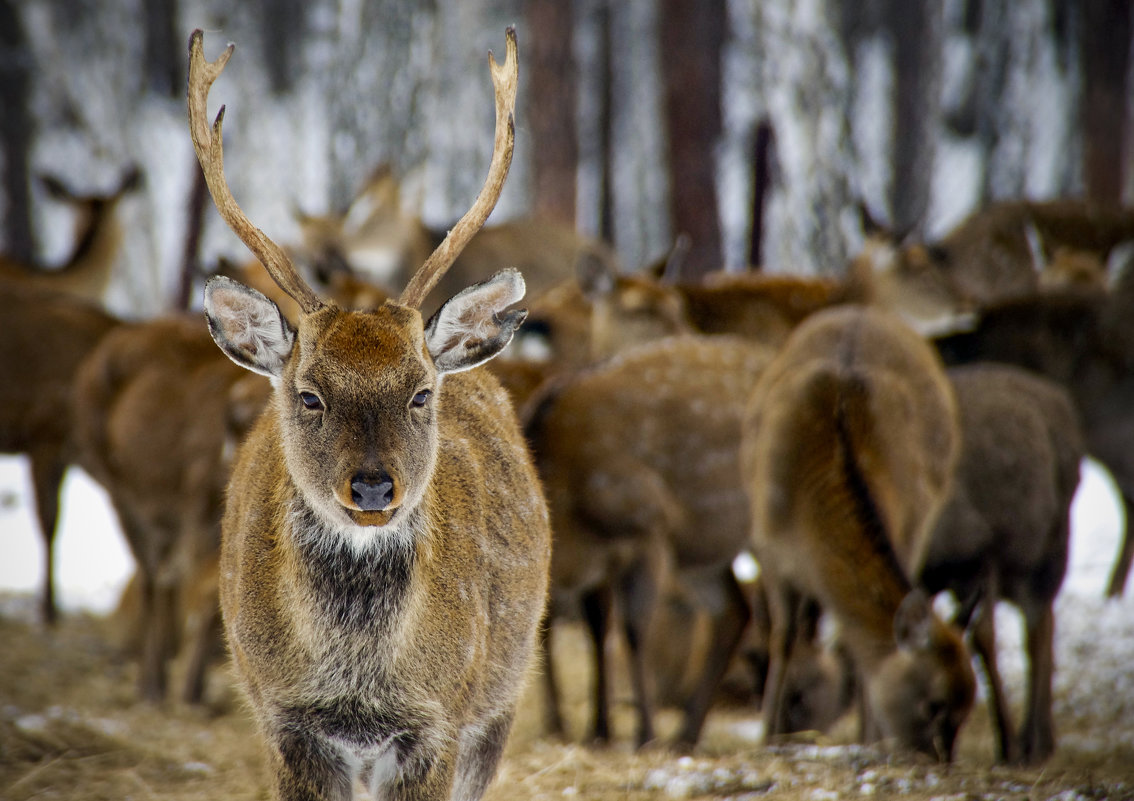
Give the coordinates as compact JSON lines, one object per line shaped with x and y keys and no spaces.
{"x":475,"y":324}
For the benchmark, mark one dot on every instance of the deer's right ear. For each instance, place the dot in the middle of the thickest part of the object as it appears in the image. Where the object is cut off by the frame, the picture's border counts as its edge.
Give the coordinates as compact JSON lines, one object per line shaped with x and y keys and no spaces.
{"x":248,"y":326}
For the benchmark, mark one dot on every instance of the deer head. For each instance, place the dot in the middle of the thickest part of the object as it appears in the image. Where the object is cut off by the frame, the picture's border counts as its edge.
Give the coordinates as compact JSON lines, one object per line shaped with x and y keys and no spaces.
{"x":357,"y":393}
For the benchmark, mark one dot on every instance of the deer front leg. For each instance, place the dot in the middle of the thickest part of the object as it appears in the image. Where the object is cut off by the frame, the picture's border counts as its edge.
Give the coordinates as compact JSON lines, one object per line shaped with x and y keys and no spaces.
{"x":983,"y":628}
{"x":308,"y":768}
{"x":596,"y":612}
{"x":729,"y":621}
{"x":47,"y":468}
{"x":1037,"y":736}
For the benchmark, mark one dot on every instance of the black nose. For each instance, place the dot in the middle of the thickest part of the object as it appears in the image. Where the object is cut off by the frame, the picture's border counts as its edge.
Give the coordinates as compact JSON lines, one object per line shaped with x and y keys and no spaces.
{"x":372,"y":492}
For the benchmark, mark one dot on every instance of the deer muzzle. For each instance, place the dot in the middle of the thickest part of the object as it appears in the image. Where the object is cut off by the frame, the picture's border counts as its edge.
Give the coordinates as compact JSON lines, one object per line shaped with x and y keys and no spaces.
{"x":372,"y":491}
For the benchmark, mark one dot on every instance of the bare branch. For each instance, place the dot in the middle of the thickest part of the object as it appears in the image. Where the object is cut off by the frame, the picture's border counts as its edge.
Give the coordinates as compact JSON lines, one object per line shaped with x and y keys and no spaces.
{"x":208,"y":143}
{"x":505,"y":79}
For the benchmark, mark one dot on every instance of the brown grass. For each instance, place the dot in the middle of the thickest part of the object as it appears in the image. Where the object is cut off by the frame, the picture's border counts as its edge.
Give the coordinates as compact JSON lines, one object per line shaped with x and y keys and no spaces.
{"x":71,"y":729}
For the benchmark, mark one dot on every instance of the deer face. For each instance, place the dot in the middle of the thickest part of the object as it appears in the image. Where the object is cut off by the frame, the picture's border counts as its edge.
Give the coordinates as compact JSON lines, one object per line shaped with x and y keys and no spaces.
{"x":357,"y":393}
{"x":922,"y":693}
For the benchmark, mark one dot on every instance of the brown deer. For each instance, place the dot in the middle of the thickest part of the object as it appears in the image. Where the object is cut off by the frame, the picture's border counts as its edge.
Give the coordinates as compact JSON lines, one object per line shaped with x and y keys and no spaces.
{"x":44,"y":337}
{"x":386,"y":543}
{"x":376,"y":238}
{"x":639,"y":461}
{"x":1084,"y":340}
{"x":86,"y":272}
{"x":849,"y":445}
{"x":1000,"y":252}
{"x":156,"y":408}
{"x":1004,"y":532}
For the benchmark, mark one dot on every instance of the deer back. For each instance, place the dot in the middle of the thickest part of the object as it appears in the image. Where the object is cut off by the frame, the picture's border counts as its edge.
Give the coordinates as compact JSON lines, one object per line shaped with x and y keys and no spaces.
{"x":47,"y":335}
{"x":850,"y":440}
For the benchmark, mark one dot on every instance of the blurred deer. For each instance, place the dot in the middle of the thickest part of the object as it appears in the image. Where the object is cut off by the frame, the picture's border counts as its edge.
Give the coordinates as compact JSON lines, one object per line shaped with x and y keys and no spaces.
{"x":376,"y":239}
{"x":46,"y":335}
{"x":1084,"y":340}
{"x":86,"y":272}
{"x":1000,"y":252}
{"x":156,"y":411}
{"x":639,"y":461}
{"x":386,"y":542}
{"x":849,"y":445}
{"x":1004,"y":532}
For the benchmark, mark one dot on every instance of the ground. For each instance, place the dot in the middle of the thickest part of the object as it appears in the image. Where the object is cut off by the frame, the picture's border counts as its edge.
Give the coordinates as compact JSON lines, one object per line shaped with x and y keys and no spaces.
{"x":70,"y":728}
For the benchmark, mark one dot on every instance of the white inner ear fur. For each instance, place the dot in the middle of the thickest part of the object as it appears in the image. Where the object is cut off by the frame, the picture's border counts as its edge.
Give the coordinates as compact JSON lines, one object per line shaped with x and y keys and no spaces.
{"x":468,"y":317}
{"x":252,"y":326}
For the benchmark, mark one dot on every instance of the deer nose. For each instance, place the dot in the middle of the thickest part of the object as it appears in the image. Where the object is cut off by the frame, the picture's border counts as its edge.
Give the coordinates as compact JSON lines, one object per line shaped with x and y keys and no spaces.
{"x":372,"y":491}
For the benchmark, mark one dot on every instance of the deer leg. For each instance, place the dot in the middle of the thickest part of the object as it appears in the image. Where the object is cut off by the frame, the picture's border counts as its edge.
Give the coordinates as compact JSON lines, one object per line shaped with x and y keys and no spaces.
{"x":728,"y":629}
{"x":1037,"y":735}
{"x":1121,"y":568}
{"x":596,"y":612}
{"x":983,"y":629}
{"x":307,"y":768}
{"x":783,"y":601}
{"x":552,"y":709}
{"x":47,"y":469}
{"x":477,"y":763}
{"x":207,"y":635}
{"x":639,"y":591}
{"x":151,"y":668}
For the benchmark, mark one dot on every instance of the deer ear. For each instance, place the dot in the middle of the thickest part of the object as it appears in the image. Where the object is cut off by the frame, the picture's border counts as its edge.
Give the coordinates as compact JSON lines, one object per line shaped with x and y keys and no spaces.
{"x":474,"y":325}
{"x":248,"y":326}
{"x":913,"y":622}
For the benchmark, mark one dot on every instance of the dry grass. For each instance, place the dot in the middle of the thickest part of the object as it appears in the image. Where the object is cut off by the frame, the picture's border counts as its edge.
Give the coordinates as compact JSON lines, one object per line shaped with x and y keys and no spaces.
{"x":71,"y":729}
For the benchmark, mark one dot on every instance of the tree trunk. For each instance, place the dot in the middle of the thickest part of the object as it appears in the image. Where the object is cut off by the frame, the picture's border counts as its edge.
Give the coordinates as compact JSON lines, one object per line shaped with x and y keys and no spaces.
{"x":552,"y":107}
{"x":15,"y":134}
{"x":915,"y":31}
{"x":1106,"y":32}
{"x":691,"y":39}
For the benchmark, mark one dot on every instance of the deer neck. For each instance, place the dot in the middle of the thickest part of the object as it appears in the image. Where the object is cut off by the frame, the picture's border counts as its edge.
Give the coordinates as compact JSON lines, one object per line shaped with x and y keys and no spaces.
{"x":88,"y":268}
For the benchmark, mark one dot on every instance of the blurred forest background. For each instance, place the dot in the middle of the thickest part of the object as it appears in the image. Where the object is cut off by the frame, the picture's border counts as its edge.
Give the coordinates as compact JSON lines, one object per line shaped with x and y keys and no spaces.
{"x":753,"y":127}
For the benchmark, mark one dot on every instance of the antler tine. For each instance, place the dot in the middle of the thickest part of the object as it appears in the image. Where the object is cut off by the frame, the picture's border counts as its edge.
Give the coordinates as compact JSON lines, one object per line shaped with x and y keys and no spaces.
{"x":505,"y":78}
{"x":208,"y":143}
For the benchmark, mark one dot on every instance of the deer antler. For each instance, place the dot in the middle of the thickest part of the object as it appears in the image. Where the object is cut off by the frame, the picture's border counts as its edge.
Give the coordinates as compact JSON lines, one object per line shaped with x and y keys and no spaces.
{"x":210,"y":152}
{"x":505,"y":78}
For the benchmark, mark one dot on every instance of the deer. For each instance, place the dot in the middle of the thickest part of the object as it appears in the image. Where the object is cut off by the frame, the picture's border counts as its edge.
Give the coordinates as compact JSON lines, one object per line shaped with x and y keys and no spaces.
{"x":1080,"y":338}
{"x":87,"y":271}
{"x":1002,"y":252}
{"x":377,"y":240}
{"x":849,"y":444}
{"x":156,"y":410}
{"x":385,"y":542}
{"x":1004,"y":532}
{"x":638,"y":455}
{"x":46,"y":336}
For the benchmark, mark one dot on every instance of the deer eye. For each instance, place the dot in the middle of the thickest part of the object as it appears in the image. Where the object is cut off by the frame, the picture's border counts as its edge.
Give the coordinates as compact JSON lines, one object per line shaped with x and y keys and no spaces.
{"x":421,"y":398}
{"x":311,"y":401}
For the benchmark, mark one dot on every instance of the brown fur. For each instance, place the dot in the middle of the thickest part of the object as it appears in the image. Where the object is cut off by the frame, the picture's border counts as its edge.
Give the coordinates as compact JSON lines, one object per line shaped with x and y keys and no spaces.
{"x":419,"y":631}
{"x":1084,"y":340}
{"x":760,"y":307}
{"x":385,"y":543}
{"x":639,"y":460}
{"x":86,"y":272}
{"x":1004,"y":532}
{"x":155,"y":418}
{"x":998,"y":253}
{"x":44,"y":337}
{"x":377,"y":238}
{"x":849,"y":445}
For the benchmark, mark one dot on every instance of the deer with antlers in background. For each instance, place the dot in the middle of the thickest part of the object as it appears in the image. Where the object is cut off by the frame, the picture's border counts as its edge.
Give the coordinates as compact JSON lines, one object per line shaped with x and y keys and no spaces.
{"x":386,"y":542}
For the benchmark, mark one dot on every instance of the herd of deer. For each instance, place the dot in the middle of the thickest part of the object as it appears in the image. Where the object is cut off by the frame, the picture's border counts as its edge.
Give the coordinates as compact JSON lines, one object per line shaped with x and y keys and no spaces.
{"x":369,"y":513}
